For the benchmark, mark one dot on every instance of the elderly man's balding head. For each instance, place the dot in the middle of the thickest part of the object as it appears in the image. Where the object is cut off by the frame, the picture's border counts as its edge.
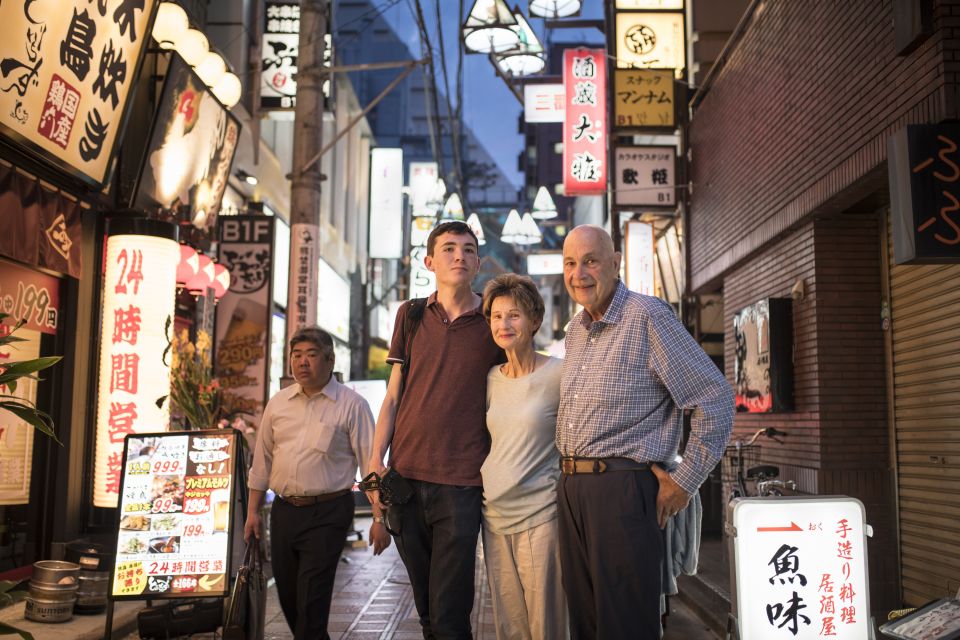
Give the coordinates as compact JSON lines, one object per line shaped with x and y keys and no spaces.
{"x":590,"y":268}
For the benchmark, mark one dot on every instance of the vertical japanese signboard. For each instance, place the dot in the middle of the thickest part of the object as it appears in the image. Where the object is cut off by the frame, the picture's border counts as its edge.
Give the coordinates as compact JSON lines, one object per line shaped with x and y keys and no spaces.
{"x":66,"y":71}
{"x":175,"y":515}
{"x":924,"y":168}
{"x":645,"y":176}
{"x":638,"y":258}
{"x":643,"y":98}
{"x":584,"y":122}
{"x":423,"y":282}
{"x":280,"y":49}
{"x":386,"y":203}
{"x":139,"y":289}
{"x":243,"y":318}
{"x":801,"y":568}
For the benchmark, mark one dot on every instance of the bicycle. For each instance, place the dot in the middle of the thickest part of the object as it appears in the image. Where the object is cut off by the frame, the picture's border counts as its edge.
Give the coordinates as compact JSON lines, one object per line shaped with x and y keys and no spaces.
{"x":739,"y":466}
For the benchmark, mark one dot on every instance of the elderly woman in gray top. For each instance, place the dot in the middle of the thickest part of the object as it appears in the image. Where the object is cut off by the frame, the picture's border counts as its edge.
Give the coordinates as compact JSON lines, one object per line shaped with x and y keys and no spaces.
{"x":520,"y":474}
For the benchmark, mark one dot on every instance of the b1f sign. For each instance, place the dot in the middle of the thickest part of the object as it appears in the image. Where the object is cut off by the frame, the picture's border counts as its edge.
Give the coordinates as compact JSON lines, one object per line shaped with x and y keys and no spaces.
{"x":585,"y":122}
{"x":645,"y":176}
{"x":801,"y":568}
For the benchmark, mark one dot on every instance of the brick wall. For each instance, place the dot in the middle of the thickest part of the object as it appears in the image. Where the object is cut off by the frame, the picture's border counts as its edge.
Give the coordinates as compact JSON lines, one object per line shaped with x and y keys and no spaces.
{"x":837,"y":442}
{"x":800,"y":112}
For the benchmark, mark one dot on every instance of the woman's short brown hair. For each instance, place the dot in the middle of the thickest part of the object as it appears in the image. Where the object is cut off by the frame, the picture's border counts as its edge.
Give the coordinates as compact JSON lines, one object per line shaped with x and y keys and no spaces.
{"x":523,"y":291}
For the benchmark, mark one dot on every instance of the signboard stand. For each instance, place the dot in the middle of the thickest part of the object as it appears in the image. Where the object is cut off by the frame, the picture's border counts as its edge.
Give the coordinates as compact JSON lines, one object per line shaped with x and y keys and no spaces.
{"x":799,"y":568}
{"x":178,"y":490}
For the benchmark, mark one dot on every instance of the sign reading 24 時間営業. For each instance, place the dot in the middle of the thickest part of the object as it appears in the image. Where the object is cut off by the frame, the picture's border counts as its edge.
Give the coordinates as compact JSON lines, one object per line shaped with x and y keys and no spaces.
{"x":175,"y":515}
{"x":66,"y":71}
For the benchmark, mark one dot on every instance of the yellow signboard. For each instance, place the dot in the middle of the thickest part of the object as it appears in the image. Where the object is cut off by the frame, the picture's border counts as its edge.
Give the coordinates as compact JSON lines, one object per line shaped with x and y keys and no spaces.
{"x":648,"y":40}
{"x":643,"y":98}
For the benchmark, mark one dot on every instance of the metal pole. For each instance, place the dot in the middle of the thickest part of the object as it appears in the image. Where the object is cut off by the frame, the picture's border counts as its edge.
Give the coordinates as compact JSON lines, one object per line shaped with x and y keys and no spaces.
{"x":305,"y":180}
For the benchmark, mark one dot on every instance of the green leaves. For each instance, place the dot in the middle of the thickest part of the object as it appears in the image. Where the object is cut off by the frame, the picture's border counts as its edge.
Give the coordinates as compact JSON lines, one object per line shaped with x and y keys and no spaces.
{"x":10,"y":375}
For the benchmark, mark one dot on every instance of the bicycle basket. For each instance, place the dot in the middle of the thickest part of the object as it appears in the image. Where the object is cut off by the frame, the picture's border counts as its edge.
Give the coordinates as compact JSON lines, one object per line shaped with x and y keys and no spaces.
{"x":731,"y":461}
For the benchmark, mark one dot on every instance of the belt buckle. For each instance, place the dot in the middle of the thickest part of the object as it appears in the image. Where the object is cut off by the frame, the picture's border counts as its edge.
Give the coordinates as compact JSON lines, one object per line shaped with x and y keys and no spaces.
{"x":568,"y":466}
{"x":296,"y":501}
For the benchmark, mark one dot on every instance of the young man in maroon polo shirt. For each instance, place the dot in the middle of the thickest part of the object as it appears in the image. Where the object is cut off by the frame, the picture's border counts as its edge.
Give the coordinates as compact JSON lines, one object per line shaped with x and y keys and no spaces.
{"x":437,"y":434}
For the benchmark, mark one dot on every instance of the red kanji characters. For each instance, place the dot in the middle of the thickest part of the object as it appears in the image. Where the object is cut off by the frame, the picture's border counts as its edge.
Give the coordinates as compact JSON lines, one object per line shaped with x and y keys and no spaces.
{"x":113,"y":473}
{"x":124,"y":370}
{"x":121,"y":420}
{"x":126,"y":324}
{"x":827,"y":628}
{"x":848,"y":614}
{"x":843,"y":528}
{"x":132,"y":271}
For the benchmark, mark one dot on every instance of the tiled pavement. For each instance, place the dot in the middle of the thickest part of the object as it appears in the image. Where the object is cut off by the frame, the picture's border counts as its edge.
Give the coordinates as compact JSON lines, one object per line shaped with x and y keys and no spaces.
{"x":372,"y":599}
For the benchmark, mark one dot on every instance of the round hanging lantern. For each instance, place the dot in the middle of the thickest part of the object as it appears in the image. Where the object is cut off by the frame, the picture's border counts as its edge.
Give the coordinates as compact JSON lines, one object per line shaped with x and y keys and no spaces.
{"x":198,"y":284}
{"x":221,"y":281}
{"x":189,"y":264}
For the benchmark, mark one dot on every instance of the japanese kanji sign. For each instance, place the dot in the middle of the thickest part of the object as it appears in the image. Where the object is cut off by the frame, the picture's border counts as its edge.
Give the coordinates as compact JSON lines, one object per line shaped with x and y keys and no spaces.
{"x":139,"y":288}
{"x":645,"y":176}
{"x":643,"y":98}
{"x":191,"y":148}
{"x":924,"y":168}
{"x":243,"y":317}
{"x":654,"y":40}
{"x":29,"y":295}
{"x":639,"y":256}
{"x":66,"y":71}
{"x":543,"y":102}
{"x":280,"y":48}
{"x":585,"y":122}
{"x":423,"y":282}
{"x":175,"y":515}
{"x":801,"y":568}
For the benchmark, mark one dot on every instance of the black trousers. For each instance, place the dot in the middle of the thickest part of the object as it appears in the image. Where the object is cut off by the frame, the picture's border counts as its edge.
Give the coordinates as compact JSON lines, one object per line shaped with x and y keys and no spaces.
{"x":438,"y":545}
{"x":611,"y":549}
{"x":306,"y":543}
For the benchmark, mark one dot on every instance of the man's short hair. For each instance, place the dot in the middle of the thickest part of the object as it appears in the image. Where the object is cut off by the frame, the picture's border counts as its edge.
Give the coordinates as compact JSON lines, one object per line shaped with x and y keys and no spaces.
{"x":523,"y":291}
{"x":455,"y":227}
{"x":313,"y":334}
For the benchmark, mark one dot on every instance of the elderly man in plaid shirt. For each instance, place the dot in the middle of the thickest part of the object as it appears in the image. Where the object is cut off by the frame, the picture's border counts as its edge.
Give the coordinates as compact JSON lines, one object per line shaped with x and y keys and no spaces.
{"x":631,"y":369}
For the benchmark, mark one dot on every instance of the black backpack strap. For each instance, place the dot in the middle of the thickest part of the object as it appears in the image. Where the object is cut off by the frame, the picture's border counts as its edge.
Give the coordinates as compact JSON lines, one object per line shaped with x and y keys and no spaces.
{"x":411,"y":322}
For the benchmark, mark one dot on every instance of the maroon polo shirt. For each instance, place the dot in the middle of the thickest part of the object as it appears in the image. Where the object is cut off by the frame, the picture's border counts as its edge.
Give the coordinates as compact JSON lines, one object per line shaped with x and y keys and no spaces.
{"x":440,"y":432}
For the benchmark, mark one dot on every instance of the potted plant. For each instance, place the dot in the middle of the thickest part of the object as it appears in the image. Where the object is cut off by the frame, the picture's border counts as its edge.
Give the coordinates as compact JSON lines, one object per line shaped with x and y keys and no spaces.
{"x":13,"y":372}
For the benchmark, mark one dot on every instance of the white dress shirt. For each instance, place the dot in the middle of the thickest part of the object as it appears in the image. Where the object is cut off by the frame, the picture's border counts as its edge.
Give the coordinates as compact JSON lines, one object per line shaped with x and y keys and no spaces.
{"x":311,"y":445}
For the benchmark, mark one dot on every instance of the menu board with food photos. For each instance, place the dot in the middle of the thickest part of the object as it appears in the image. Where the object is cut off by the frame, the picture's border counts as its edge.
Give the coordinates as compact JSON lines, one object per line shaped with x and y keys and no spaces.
{"x":176,"y":495}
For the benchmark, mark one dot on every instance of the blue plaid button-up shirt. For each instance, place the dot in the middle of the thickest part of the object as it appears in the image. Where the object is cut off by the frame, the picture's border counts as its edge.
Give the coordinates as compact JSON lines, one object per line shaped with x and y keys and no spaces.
{"x":627,"y":379}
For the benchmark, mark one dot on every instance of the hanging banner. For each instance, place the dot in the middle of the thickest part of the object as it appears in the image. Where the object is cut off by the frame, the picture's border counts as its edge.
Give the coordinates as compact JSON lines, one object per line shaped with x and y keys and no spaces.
{"x":139,"y":289}
{"x":638,"y":257}
{"x":654,"y":40}
{"x":801,"y":568}
{"x":176,"y":515}
{"x":279,"y":51}
{"x":243,"y":319}
{"x":386,"y":203}
{"x":924,"y":168}
{"x":643,"y":98}
{"x":66,"y":71}
{"x":191,"y":149}
{"x":333,"y":303}
{"x":645,"y":176}
{"x":304,"y":257}
{"x":584,"y":122}
{"x":543,"y":102}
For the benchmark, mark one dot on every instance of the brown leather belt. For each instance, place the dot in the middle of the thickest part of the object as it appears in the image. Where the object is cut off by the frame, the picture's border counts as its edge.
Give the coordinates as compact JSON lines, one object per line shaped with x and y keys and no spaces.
{"x":572,"y":466}
{"x":307,"y":501}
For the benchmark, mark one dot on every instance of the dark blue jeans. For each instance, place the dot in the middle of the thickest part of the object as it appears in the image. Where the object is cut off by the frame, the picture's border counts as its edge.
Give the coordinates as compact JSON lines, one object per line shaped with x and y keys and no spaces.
{"x":438,"y":544}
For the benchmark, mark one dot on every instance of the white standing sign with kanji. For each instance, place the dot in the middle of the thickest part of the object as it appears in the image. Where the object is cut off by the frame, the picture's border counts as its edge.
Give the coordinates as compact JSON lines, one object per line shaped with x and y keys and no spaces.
{"x":801,"y":568}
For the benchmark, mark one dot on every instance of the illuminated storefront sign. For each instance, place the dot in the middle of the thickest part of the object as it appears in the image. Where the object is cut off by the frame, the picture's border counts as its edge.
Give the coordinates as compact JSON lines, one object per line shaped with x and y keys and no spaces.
{"x":801,"y":568}
{"x":645,"y":176}
{"x":423,"y":282}
{"x":638,"y":257}
{"x":643,"y":98}
{"x":243,"y":317}
{"x":333,"y":305}
{"x":544,"y":264}
{"x":279,"y":52}
{"x":67,"y":71}
{"x":139,"y":288}
{"x":651,"y":40}
{"x":645,"y":5}
{"x":191,"y":149}
{"x":585,"y":122}
{"x":176,"y":516}
{"x":423,"y":181}
{"x":386,"y":203}
{"x":543,"y":102}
